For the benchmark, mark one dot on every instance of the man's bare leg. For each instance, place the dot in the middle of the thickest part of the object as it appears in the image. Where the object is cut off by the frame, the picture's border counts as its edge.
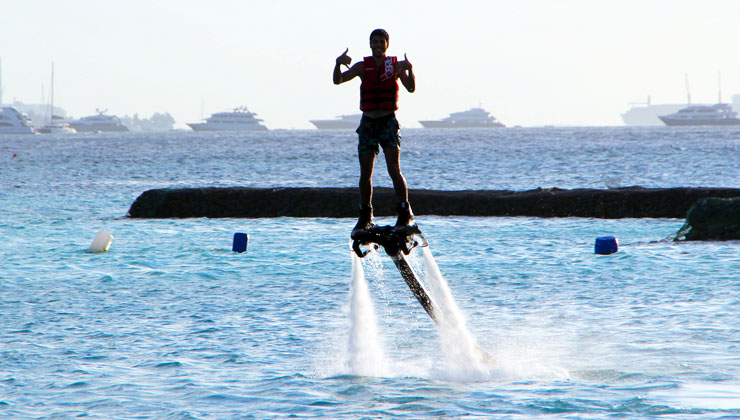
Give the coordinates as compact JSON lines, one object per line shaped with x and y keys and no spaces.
{"x":367,"y":163}
{"x":393,"y":161}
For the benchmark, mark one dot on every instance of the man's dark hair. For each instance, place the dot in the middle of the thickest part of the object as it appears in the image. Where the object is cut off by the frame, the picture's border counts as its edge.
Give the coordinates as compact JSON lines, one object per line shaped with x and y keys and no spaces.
{"x":380,"y":32}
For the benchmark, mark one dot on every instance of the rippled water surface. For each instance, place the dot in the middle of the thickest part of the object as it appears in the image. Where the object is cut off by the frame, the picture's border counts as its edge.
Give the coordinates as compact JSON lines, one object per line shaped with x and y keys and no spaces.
{"x":170,"y":323}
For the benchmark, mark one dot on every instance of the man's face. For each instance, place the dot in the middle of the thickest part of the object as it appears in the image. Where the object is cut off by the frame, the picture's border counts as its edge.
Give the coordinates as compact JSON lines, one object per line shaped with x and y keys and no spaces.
{"x":379,"y":45}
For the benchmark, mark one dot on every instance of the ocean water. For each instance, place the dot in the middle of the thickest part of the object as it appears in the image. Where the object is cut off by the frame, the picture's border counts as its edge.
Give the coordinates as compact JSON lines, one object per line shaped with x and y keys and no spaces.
{"x":171,"y":324}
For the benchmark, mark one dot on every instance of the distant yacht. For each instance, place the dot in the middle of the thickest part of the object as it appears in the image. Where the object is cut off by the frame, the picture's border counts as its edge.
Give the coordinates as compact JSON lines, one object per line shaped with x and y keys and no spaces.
{"x":717,"y":114}
{"x":646,"y":114}
{"x":472,"y":118}
{"x":342,"y":122}
{"x":14,"y":122}
{"x":240,"y":119}
{"x":99,"y":122}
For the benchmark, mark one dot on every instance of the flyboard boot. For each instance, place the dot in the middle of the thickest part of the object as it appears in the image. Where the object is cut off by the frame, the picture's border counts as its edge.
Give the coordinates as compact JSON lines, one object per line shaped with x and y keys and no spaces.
{"x":365,"y":221}
{"x":401,"y":238}
{"x":405,"y":216}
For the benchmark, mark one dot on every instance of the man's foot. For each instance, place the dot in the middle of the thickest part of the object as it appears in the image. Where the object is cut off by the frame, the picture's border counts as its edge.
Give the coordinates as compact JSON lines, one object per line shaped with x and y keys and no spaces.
{"x":366,"y":219}
{"x":405,"y":216}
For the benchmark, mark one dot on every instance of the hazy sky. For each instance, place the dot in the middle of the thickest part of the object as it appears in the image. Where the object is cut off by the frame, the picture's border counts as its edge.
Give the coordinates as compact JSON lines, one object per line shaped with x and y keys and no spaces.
{"x":528,"y":62}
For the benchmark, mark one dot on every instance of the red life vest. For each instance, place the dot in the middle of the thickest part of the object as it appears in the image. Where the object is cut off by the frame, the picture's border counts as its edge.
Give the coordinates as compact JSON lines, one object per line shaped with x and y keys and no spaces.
{"x":379,"y":88}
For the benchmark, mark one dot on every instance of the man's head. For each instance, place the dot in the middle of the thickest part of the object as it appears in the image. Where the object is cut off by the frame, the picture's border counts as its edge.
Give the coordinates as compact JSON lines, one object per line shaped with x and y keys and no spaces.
{"x":379,"y":41}
{"x":381,"y":33}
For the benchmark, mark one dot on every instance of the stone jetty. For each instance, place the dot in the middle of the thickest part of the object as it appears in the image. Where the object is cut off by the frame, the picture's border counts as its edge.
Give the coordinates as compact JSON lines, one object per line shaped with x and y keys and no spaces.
{"x":241,"y":202}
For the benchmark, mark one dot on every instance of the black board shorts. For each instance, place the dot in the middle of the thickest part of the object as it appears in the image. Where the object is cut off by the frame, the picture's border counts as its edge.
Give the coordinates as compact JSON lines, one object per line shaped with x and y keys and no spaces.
{"x":374,"y":133}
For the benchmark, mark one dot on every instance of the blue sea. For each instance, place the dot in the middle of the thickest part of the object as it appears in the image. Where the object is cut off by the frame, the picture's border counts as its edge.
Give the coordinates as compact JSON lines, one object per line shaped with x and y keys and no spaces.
{"x":171,"y":324}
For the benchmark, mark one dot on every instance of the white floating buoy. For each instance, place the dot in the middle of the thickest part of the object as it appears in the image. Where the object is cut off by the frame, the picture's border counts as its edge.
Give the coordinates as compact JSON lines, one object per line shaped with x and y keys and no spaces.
{"x":606,"y":245}
{"x":101,"y":242}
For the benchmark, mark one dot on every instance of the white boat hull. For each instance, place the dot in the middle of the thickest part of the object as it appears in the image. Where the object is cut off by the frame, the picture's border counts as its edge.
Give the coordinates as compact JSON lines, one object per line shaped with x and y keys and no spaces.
{"x":696,"y":121}
{"x":226,"y":127}
{"x":446,"y":124}
{"x":334,"y":125}
{"x":86,"y":128}
{"x":57,"y":128}
{"x":343,"y":122}
{"x":16,"y":130}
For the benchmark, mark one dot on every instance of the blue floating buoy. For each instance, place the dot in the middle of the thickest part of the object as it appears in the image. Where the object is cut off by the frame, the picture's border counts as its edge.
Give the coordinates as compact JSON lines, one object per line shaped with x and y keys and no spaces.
{"x":240,"y":242}
{"x":606,"y":245}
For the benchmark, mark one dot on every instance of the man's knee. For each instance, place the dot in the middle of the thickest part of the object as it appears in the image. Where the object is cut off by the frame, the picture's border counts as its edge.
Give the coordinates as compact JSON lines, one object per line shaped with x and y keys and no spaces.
{"x":395,"y":174}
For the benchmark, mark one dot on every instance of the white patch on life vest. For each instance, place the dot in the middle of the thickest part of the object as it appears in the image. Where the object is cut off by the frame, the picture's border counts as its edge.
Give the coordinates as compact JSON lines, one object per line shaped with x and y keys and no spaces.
{"x":388,"y":74}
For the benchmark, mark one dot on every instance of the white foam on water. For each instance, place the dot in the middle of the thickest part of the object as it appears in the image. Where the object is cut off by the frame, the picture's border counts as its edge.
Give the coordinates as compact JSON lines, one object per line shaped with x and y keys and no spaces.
{"x":365,"y":355}
{"x":529,"y":359}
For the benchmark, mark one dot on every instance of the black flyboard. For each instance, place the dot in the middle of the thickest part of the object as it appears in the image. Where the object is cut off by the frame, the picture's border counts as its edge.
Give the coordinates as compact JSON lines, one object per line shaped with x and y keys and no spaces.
{"x":397,"y":243}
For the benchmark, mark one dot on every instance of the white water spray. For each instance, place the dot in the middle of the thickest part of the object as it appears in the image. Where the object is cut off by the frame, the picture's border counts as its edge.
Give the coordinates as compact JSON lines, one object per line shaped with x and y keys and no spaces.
{"x":464,"y":360}
{"x":467,"y":361}
{"x":365,"y":352}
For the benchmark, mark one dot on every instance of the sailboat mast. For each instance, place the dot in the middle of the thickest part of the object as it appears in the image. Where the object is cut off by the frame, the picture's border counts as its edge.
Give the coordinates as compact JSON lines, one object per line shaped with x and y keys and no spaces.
{"x":1,"y":83}
{"x":51,"y":112}
{"x":688,"y":91}
{"x":719,"y":87}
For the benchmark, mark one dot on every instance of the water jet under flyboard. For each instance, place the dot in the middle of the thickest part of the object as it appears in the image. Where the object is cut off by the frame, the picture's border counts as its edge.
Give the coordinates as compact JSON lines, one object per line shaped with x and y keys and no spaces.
{"x":398,"y":243}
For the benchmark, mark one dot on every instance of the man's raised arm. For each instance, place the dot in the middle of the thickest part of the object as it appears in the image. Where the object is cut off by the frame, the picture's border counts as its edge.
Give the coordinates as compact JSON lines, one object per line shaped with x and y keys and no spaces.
{"x":350,"y":74}
{"x":405,"y":72}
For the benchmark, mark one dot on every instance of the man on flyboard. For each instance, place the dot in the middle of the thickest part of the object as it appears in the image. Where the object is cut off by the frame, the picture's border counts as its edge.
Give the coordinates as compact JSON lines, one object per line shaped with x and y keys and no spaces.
{"x":379,"y":127}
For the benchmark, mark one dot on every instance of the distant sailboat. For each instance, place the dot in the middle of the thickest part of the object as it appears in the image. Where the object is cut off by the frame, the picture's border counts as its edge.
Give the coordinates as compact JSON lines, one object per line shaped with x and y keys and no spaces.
{"x":55,"y":127}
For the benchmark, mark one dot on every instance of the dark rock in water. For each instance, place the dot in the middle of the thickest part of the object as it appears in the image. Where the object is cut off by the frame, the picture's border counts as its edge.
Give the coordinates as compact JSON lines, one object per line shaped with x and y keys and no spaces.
{"x":712,"y":219}
{"x":343,"y":202}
